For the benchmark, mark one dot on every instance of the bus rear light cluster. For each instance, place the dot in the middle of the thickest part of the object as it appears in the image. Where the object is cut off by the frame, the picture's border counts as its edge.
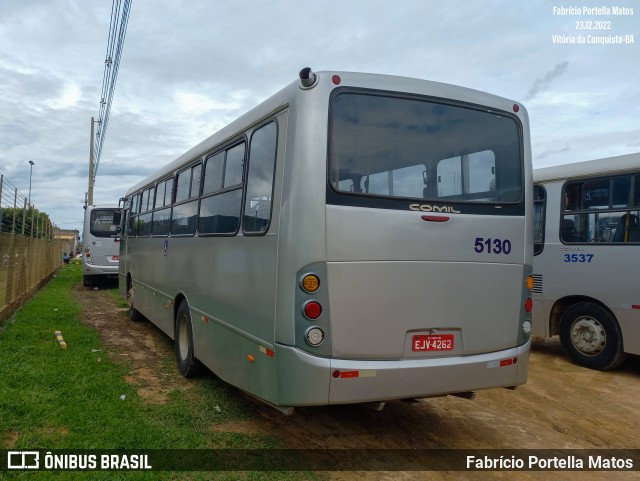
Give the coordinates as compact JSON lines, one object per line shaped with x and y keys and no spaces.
{"x":87,"y":256}
{"x":312,"y":309}
{"x":526,"y":327}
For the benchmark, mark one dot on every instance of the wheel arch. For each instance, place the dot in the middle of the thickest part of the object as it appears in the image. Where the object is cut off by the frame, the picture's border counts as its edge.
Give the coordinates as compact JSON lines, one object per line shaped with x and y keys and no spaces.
{"x":564,"y":303}
{"x":180,"y":297}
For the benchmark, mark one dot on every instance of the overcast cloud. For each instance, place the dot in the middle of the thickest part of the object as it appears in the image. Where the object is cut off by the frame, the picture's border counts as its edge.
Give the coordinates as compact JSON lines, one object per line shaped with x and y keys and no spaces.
{"x":190,"y":67}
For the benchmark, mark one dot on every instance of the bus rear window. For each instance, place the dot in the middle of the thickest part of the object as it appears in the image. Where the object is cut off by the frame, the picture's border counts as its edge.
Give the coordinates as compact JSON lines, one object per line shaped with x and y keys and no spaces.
{"x":102,"y":223}
{"x":392,"y":146}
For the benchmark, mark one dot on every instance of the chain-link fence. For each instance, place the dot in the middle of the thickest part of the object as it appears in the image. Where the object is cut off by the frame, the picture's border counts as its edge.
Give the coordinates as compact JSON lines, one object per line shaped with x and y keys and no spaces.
{"x":29,"y":249}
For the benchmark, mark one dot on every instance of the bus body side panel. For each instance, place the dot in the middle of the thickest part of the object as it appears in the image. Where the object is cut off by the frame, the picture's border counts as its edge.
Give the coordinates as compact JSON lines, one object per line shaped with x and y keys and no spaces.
{"x":301,"y":236}
{"x":589,"y":280}
{"x":233,"y":298}
{"x":151,"y":272}
{"x":232,"y":312}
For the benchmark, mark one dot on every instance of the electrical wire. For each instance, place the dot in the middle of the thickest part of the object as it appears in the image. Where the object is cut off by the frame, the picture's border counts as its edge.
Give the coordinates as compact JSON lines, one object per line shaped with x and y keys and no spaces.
{"x":115,"y":44}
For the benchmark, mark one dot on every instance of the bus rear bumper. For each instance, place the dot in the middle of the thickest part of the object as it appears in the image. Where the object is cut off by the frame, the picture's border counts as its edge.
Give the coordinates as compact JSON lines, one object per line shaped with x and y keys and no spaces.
{"x":309,"y":380}
{"x":98,"y":270}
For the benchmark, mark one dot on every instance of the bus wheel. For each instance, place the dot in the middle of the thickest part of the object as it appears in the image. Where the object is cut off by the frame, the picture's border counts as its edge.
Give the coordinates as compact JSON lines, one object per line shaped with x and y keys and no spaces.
{"x":591,"y":337}
{"x":134,"y":314}
{"x":188,"y":365}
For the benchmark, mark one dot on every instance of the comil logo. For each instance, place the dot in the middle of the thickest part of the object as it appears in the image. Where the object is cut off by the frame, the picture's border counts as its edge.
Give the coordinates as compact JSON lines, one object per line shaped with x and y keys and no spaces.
{"x":433,"y":208}
{"x":23,"y":460}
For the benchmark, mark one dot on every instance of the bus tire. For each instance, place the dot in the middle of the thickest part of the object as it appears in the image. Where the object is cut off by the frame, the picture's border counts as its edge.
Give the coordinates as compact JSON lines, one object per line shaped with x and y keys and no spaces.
{"x":188,"y":365}
{"x":591,"y":337}
{"x":134,"y":314}
{"x":85,"y":281}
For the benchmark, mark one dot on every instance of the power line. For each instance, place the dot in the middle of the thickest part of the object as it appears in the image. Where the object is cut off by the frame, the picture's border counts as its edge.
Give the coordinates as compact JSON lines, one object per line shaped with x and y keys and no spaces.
{"x":115,"y":45}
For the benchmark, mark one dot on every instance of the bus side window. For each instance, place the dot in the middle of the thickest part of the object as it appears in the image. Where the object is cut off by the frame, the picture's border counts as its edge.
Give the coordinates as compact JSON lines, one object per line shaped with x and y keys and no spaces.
{"x":572,"y":197}
{"x":213,"y":168}
{"x":627,"y":229}
{"x":182,"y":185}
{"x":262,"y":161}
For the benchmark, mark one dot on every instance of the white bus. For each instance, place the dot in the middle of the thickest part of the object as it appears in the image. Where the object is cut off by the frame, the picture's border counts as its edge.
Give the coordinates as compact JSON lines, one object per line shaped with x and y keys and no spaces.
{"x":100,"y":247}
{"x":354,"y":238}
{"x":587,"y":258}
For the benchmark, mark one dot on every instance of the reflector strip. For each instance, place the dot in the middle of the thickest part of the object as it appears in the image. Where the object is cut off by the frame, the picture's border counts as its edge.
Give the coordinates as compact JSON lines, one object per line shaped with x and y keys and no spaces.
{"x":502,"y":362}
{"x":265,"y":351}
{"x":630,"y":306}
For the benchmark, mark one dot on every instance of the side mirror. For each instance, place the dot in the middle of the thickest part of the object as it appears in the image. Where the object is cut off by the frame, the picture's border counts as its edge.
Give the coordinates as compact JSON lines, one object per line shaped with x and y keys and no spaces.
{"x":117,"y":218}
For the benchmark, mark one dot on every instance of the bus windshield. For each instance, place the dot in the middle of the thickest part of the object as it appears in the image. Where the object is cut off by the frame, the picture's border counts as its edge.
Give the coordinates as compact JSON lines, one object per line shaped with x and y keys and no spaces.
{"x":102,"y":223}
{"x":409,"y":147}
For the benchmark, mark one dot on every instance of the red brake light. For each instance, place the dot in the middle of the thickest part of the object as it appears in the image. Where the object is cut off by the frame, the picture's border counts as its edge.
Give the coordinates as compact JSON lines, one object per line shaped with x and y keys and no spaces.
{"x":528,"y":305}
{"x":336,"y":80}
{"x":312,"y":310}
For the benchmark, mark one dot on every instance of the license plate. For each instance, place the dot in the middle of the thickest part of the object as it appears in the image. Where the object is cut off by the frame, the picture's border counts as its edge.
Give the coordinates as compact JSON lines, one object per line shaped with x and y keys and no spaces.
{"x":432,"y":342}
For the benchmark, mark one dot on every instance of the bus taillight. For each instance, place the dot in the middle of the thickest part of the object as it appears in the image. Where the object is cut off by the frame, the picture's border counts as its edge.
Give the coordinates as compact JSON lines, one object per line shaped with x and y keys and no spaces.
{"x":312,"y":310}
{"x":529,"y":282}
{"x":528,"y":305}
{"x":315,"y":336}
{"x":310,"y":283}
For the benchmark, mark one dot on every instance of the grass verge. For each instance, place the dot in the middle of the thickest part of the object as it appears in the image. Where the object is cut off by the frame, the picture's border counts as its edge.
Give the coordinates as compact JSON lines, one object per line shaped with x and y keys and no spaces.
{"x":52,"y":398}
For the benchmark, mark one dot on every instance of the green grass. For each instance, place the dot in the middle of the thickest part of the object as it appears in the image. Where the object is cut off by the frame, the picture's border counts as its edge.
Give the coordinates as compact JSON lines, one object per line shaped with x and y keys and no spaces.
{"x":52,"y":398}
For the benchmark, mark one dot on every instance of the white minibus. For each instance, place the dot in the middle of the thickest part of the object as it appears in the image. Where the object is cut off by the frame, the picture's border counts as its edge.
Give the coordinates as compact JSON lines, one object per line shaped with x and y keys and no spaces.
{"x":100,"y":246}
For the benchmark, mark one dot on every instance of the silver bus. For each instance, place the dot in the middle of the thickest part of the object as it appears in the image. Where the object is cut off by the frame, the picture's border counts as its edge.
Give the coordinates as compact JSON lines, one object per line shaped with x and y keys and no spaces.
{"x":355,"y":238}
{"x":100,"y":247}
{"x":586,"y":258}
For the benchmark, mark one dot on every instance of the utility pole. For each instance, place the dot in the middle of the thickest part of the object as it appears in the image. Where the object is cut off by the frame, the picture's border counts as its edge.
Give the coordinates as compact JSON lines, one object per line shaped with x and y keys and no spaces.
{"x":91,"y":177}
{"x":30,"y":174}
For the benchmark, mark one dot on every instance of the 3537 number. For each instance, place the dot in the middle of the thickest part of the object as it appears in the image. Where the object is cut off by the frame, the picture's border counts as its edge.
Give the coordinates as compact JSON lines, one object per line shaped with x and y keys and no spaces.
{"x":492,"y":246}
{"x":578,"y":257}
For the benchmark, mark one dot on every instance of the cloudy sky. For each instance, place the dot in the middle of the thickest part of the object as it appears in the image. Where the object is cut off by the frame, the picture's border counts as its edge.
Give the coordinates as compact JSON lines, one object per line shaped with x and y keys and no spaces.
{"x":191,"y":66}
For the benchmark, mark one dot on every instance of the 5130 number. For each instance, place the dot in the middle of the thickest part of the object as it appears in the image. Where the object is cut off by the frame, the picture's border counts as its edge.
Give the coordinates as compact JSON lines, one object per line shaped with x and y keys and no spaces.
{"x":492,"y":246}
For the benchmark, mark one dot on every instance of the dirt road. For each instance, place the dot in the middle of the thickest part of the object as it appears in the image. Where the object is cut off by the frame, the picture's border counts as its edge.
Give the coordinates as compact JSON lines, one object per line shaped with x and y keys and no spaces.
{"x":563,"y":406}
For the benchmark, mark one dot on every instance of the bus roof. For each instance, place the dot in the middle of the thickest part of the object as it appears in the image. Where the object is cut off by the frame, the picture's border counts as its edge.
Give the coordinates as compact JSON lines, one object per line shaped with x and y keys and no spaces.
{"x":607,"y":166}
